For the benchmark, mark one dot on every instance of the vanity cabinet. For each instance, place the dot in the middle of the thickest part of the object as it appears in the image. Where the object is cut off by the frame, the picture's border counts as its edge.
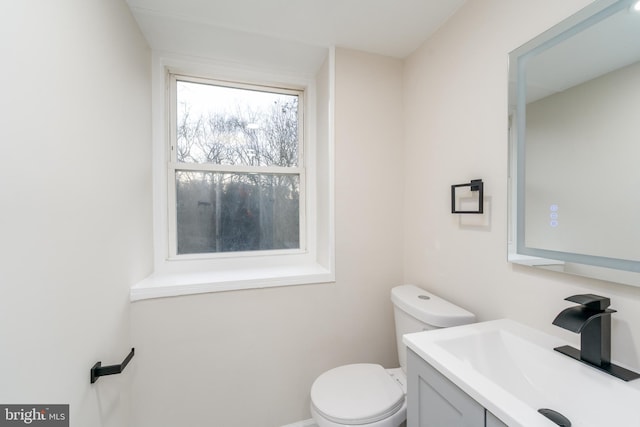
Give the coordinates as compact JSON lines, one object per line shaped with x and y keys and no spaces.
{"x":434,"y":401}
{"x":492,"y":421}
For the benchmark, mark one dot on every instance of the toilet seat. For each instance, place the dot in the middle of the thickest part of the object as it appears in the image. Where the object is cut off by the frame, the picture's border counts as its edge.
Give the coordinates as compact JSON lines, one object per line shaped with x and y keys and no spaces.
{"x":356,"y":394}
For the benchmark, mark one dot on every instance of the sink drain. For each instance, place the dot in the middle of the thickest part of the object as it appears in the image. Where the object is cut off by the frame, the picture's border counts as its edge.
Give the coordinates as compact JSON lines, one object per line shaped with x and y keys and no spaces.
{"x":556,"y":417}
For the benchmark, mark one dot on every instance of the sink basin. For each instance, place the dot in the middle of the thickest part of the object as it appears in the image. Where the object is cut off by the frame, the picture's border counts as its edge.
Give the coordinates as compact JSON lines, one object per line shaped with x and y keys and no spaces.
{"x":512,"y":370}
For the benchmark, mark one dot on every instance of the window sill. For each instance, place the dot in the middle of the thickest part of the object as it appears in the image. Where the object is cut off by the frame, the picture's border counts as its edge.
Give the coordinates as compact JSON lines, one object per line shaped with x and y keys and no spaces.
{"x":171,"y":285}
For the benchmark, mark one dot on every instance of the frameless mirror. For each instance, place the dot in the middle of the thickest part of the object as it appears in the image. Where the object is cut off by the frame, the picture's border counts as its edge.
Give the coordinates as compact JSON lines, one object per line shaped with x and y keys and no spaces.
{"x":574,"y":115}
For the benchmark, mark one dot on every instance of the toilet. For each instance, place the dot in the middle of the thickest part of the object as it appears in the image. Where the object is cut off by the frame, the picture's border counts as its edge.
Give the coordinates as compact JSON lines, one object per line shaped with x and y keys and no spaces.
{"x":368,"y":395}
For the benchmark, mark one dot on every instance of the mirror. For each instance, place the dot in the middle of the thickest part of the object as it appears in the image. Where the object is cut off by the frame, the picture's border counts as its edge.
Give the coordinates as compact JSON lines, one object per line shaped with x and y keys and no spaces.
{"x":574,"y":130}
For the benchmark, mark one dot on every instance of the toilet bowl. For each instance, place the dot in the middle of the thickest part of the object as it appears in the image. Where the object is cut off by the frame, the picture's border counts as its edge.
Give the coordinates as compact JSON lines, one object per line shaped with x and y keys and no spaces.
{"x":368,"y":395}
{"x":361,"y":394}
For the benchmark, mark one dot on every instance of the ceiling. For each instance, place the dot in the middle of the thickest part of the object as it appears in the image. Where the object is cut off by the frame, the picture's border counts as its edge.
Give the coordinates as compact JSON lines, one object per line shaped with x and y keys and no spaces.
{"x":289,"y":28}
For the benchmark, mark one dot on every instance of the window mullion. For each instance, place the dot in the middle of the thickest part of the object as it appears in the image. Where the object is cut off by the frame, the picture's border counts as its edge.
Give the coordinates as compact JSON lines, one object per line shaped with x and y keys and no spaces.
{"x":208,"y":167}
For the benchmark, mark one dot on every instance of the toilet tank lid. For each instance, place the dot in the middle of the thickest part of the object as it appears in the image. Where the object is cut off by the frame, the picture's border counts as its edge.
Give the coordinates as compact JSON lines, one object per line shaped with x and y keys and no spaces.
{"x":429,"y":308}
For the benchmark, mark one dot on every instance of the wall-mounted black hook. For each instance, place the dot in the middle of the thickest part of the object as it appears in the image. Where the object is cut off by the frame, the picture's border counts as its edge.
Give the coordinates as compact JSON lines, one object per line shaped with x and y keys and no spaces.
{"x":98,"y":370}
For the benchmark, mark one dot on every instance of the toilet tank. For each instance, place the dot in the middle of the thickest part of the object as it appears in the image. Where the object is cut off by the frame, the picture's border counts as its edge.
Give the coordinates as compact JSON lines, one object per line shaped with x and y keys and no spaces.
{"x":417,"y":310}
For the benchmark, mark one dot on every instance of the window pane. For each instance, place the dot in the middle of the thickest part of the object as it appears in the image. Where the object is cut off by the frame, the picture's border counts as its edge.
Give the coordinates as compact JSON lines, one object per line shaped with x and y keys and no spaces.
{"x":224,"y":212}
{"x":231,"y":126}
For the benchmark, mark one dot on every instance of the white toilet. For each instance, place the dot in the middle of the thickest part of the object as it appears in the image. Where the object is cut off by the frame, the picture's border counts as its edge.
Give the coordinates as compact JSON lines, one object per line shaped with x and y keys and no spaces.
{"x":367,"y":395}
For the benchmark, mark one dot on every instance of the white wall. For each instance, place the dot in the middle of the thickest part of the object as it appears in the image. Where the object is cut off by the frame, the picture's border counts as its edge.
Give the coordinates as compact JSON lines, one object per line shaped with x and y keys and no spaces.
{"x":75,"y":201}
{"x":456,"y":130}
{"x":248,"y":358}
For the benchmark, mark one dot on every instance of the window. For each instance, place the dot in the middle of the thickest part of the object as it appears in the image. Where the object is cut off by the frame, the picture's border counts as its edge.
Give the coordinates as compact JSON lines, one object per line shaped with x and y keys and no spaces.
{"x":236,"y":169}
{"x":242,"y":177}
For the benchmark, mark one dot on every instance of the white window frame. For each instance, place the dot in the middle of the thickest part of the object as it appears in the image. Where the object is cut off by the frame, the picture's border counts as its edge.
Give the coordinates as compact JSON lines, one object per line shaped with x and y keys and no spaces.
{"x":186,"y":274}
{"x":173,"y":165}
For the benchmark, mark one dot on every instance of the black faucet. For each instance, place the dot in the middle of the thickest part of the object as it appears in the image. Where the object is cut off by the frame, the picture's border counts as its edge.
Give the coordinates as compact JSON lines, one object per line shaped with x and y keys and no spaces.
{"x":591,"y":319}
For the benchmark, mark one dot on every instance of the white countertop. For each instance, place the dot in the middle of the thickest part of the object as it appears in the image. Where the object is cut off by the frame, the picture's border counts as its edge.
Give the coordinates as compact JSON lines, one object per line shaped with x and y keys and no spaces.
{"x":512,"y":370}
